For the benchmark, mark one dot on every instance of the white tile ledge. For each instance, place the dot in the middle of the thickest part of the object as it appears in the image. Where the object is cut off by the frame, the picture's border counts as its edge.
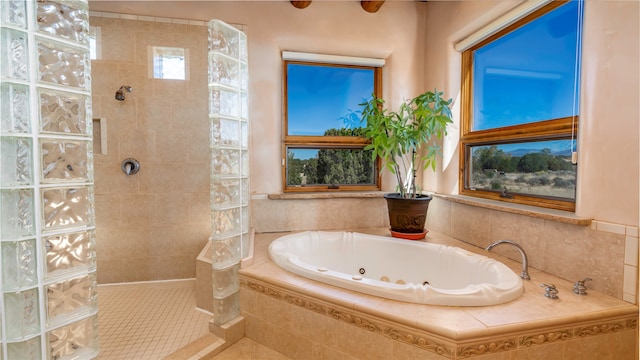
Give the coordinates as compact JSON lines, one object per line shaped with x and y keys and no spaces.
{"x":542,"y":213}
{"x":326,"y":195}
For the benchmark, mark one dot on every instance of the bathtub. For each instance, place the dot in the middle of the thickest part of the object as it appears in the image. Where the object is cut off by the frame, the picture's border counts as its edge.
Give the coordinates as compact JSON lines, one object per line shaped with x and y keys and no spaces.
{"x":416,"y":272}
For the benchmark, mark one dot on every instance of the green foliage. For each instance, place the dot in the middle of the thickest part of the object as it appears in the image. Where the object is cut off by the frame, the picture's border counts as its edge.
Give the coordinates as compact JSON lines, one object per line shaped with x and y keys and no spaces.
{"x":398,"y":137}
{"x":491,"y":158}
{"x":333,"y":166}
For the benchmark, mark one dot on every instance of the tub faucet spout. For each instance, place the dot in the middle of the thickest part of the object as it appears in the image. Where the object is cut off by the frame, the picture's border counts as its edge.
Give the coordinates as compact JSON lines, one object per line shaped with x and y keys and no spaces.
{"x":525,"y":262}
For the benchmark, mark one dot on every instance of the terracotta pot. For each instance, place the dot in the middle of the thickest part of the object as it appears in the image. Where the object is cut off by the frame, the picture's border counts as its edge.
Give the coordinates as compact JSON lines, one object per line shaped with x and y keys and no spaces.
{"x":407,"y":215}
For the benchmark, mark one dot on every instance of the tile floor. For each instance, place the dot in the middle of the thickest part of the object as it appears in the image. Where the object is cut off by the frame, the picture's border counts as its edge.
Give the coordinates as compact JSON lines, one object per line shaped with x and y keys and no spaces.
{"x":148,"y":321}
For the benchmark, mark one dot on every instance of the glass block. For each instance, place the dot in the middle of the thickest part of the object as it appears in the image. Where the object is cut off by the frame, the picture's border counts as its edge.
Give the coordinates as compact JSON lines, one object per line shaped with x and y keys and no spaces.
{"x":225,"y":281}
{"x":16,"y":213}
{"x":244,"y":106}
{"x":244,"y":212}
{"x":225,"y":132}
{"x":14,"y":12}
{"x":225,"y":162}
{"x":67,"y":207}
{"x":64,"y":160}
{"x":225,"y":252}
{"x":63,"y":65}
{"x":246,"y":245}
{"x":223,"y":102}
{"x":223,"y":38}
{"x":69,"y":298}
{"x":19,"y":264}
{"x":244,"y":163}
{"x":244,"y":77}
{"x":244,"y":135}
{"x":66,"y":252}
{"x":225,"y":222}
{"x":17,"y":163}
{"x":14,"y":99}
{"x":29,"y":349}
{"x":223,"y":70}
{"x":64,"y":113}
{"x":68,"y":20}
{"x":14,"y":54}
{"x":244,"y":191}
{"x":244,"y":53}
{"x":226,"y":309}
{"x":225,"y":193}
{"x":21,"y":311}
{"x":78,"y":340}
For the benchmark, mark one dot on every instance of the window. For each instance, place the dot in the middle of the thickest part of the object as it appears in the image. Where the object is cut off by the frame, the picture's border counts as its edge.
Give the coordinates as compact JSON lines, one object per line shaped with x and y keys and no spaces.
{"x":520,"y":95}
{"x":169,"y":63}
{"x":322,"y":143}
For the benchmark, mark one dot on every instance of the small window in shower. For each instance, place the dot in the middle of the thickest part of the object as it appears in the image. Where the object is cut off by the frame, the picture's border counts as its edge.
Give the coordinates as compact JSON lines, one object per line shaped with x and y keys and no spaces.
{"x":169,"y":63}
{"x":95,"y":43}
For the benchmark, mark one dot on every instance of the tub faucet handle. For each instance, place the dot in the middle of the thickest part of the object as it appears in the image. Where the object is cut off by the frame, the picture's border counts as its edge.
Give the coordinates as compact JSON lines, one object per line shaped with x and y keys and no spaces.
{"x":550,"y":291}
{"x":580,"y":288}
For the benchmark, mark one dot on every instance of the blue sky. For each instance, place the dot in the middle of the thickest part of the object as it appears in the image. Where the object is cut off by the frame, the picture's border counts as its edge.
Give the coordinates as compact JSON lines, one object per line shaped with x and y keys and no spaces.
{"x":529,"y":74}
{"x":318,"y":96}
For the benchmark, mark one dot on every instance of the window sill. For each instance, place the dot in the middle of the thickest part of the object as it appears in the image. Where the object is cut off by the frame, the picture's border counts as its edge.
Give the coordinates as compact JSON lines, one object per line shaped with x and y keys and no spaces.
{"x":532,"y":211}
{"x":326,"y":195}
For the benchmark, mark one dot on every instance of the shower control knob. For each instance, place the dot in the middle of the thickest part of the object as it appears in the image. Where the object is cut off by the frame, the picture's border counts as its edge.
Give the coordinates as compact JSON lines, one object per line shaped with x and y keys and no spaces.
{"x":130,"y":166}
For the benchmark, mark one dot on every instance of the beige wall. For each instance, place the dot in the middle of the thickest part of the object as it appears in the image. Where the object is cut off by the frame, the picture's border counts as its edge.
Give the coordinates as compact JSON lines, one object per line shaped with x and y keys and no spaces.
{"x":395,"y":33}
{"x":608,"y":135}
{"x":150,"y":225}
{"x":401,"y":32}
{"x":608,"y":147}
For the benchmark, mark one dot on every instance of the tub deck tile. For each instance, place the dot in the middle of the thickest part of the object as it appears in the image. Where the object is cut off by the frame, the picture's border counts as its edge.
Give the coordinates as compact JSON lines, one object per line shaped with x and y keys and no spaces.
{"x":451,"y":332}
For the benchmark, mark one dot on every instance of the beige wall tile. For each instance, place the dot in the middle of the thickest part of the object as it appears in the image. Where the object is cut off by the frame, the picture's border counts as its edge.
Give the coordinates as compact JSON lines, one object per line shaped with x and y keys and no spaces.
{"x":405,"y":351}
{"x":438,"y":216}
{"x":470,"y":224}
{"x":172,"y":267}
{"x":549,"y":351}
{"x":137,"y":269}
{"x":151,"y":221}
{"x":524,"y":230}
{"x":318,"y":214}
{"x":321,"y":352}
{"x":109,"y":271}
{"x":603,"y":347}
{"x":107,"y":210}
{"x":569,"y":251}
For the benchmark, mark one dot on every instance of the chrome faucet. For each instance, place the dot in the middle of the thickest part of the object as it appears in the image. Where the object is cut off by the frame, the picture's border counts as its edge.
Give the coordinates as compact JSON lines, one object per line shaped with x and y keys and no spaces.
{"x":525,"y":262}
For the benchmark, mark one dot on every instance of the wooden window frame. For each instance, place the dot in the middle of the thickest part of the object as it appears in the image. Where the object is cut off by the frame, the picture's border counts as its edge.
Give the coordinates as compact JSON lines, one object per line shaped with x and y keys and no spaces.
{"x":328,"y":142}
{"x":553,"y":129}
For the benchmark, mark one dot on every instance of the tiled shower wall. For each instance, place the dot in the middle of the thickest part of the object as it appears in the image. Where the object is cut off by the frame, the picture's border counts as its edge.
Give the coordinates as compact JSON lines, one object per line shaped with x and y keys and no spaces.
{"x":151,"y":225}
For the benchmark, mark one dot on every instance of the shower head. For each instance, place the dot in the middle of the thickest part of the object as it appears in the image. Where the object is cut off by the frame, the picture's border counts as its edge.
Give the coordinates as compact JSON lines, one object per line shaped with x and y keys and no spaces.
{"x":120,"y":92}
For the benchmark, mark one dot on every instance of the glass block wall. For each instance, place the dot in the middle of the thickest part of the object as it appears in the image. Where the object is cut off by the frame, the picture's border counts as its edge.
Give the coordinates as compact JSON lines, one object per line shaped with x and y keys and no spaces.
{"x":229,"y":138}
{"x":48,"y":304}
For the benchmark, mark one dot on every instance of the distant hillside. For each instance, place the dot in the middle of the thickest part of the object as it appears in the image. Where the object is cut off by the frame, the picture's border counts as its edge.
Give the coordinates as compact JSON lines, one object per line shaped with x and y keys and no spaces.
{"x":522,"y":152}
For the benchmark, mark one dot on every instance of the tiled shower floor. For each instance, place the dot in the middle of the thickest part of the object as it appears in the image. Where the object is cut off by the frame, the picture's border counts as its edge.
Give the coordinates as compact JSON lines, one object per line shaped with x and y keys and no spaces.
{"x":148,"y":321}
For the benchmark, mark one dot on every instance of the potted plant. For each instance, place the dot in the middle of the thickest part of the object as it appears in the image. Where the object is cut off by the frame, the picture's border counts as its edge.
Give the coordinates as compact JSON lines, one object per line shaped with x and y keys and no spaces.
{"x":406,"y":141}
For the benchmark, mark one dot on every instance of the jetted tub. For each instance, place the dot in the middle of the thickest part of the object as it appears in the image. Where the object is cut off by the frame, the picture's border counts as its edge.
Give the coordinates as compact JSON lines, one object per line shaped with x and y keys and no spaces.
{"x":403,"y":270}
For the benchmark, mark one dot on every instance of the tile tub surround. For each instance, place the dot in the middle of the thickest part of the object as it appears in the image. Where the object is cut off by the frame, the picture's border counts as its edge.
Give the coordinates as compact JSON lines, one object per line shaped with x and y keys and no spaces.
{"x":302,"y":318}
